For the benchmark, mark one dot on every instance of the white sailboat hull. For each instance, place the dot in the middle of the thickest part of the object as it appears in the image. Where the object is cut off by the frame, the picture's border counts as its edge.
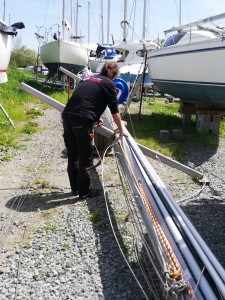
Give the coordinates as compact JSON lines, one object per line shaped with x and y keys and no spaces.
{"x":5,"y":53}
{"x":70,"y":55}
{"x":132,"y":72}
{"x":193,"y":72}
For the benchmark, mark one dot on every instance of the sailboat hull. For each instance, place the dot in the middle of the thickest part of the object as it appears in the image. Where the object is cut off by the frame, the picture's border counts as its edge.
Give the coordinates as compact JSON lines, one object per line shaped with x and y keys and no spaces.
{"x":69,"y":55}
{"x":132,"y":72}
{"x":192,"y":72}
{"x":5,"y":50}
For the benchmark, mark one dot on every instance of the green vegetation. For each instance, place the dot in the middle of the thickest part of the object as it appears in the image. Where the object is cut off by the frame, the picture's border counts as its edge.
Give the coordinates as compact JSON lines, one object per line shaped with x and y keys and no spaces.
{"x":44,"y":184}
{"x":156,"y":115}
{"x":126,"y":218}
{"x":66,"y":246}
{"x":95,"y":217}
{"x":22,"y":107}
{"x":30,"y":127}
{"x":27,"y":245}
{"x":23,"y":57}
{"x":50,"y":228}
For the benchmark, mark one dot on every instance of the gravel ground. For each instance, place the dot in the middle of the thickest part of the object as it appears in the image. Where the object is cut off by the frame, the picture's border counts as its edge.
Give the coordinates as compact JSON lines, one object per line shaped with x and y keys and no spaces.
{"x":54,"y":246}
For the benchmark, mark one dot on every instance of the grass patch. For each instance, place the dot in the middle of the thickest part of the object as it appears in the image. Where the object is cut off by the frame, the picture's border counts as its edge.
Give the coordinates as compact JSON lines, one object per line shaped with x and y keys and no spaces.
{"x":148,"y":122}
{"x":43,"y":184}
{"x":95,"y":217}
{"x":27,"y":245}
{"x":34,"y":112}
{"x":50,"y":229}
{"x":21,"y":107}
{"x":127,"y":218}
{"x":66,"y":246}
{"x":6,"y":157}
{"x":30,"y":128}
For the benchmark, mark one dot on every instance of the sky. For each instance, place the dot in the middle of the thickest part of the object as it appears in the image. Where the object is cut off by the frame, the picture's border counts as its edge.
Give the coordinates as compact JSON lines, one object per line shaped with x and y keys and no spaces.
{"x":45,"y":16}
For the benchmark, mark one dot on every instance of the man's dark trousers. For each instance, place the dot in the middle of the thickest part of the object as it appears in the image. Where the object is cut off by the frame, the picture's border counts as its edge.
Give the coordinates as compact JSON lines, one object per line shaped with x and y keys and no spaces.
{"x":78,"y":141}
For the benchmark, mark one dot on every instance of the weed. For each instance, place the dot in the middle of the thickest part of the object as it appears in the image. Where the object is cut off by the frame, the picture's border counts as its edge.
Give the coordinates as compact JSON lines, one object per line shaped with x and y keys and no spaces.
{"x":126,"y":218}
{"x":42,"y":274}
{"x":8,"y":137}
{"x":44,"y":184}
{"x":95,"y":217}
{"x":46,"y":215}
{"x":48,"y":254}
{"x":29,"y":128}
{"x":21,"y":222}
{"x":66,"y":246}
{"x":34,"y":112}
{"x":27,"y":245}
{"x":6,"y":158}
{"x":50,"y":228}
{"x":45,"y":169}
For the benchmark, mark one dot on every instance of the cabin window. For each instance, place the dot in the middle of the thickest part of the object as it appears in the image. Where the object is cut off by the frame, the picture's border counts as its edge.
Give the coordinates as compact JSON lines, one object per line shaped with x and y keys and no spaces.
{"x":140,"y":53}
{"x":173,"y":39}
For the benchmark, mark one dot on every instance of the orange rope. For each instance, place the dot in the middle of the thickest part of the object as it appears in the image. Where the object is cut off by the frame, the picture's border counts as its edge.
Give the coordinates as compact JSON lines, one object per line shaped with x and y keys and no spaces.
{"x":174,"y":265}
{"x":171,"y":256}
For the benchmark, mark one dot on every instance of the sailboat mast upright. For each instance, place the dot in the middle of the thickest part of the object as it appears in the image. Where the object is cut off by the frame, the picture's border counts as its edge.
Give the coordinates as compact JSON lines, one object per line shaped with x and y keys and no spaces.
{"x":125,"y":20}
{"x":4,"y":12}
{"x":89,"y":4}
{"x":144,"y":20}
{"x":77,"y":7}
{"x":63,"y":19}
{"x":102,"y":27}
{"x":71,"y":14}
{"x":108,"y":23}
{"x":180,"y":14}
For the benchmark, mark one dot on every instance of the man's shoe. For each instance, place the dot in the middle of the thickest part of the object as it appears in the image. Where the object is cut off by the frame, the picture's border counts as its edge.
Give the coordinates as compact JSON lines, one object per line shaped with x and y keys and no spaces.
{"x":91,"y":194}
{"x":74,"y":193}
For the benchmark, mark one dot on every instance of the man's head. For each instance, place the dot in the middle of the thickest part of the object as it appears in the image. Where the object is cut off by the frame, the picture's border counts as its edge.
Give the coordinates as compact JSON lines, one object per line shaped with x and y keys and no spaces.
{"x":110,"y":69}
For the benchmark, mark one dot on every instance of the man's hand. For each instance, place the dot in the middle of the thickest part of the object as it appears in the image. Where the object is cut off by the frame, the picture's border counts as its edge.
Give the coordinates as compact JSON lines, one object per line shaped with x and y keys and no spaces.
{"x":120,"y":124}
{"x":99,"y":123}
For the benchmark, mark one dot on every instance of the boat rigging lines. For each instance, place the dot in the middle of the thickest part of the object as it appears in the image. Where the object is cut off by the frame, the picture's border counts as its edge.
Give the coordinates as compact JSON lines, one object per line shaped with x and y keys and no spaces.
{"x":184,"y":257}
{"x":187,"y":267}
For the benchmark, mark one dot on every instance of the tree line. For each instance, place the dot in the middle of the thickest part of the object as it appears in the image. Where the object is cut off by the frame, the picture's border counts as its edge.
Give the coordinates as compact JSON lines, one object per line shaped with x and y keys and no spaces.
{"x":21,"y":56}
